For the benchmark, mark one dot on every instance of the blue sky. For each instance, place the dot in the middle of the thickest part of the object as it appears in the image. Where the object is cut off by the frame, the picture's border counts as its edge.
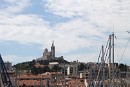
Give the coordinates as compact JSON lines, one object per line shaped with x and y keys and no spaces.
{"x":78,"y":27}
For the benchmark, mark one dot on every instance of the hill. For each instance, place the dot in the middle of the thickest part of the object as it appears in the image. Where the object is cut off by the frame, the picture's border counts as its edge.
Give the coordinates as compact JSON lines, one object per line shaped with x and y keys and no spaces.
{"x":43,"y":66}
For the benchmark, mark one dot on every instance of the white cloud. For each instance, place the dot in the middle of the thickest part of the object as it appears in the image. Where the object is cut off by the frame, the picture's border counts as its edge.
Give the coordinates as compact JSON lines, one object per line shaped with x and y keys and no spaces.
{"x":87,"y":7}
{"x":14,"y":6}
{"x":32,"y":29}
{"x":101,"y":12}
{"x":98,"y":17}
{"x":76,"y":34}
{"x":68,"y":36}
{"x":89,"y":30}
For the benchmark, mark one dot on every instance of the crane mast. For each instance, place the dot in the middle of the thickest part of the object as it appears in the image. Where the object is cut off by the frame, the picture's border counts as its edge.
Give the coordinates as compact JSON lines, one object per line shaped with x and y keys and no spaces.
{"x":5,"y":80}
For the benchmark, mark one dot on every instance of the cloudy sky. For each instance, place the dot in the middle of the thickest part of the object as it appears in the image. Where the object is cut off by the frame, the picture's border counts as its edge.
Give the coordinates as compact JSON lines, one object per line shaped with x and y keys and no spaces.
{"x":78,"y":27}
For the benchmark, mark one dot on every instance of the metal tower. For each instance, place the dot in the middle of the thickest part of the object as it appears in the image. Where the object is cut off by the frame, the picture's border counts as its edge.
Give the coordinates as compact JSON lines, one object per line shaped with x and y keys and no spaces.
{"x":4,"y":76}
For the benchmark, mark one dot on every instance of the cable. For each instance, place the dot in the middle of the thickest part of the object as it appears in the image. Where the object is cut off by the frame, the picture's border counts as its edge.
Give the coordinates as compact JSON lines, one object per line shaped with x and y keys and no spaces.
{"x":98,"y":77}
{"x":125,"y":49}
{"x":99,"y":56}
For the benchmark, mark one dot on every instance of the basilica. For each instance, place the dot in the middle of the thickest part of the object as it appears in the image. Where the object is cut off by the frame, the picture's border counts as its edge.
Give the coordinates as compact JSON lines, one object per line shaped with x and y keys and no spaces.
{"x":50,"y":55}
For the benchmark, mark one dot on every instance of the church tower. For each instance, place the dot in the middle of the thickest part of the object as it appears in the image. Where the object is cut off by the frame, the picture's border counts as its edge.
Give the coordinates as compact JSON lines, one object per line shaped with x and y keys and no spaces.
{"x":53,"y":50}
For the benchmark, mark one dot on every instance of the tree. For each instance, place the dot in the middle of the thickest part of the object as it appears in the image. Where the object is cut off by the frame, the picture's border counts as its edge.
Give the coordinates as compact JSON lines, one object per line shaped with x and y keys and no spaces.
{"x":34,"y":70}
{"x":82,"y":67}
{"x":56,"y":68}
{"x":39,"y":70}
{"x":123,"y":67}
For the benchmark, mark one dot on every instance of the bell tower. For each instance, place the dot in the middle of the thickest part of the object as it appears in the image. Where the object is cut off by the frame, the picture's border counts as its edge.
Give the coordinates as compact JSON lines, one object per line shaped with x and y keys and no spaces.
{"x":53,"y":50}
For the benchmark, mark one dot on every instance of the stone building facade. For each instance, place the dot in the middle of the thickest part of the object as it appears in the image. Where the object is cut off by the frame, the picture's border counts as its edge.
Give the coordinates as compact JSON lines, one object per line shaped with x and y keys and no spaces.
{"x":48,"y":55}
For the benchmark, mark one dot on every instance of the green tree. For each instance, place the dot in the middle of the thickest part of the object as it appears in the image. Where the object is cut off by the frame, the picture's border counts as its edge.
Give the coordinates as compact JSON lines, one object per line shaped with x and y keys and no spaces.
{"x":82,"y":67}
{"x":39,"y":70}
{"x":34,"y":70}
{"x":56,"y":68}
{"x":123,"y":67}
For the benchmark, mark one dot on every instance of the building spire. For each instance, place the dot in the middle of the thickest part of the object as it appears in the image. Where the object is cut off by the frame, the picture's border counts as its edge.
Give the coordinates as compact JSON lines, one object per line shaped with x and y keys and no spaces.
{"x":53,"y":43}
{"x":53,"y":50}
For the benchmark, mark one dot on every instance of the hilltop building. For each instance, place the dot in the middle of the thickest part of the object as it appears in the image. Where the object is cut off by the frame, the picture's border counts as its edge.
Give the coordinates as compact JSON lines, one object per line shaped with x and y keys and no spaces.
{"x":50,"y":55}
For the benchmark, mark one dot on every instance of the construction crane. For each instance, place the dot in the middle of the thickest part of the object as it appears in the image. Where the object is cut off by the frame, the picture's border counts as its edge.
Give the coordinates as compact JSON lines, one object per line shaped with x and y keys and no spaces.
{"x":4,"y":76}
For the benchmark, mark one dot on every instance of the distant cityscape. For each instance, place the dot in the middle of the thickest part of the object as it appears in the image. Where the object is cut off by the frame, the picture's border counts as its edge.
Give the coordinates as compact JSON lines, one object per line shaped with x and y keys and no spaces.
{"x":52,"y":71}
{"x":64,"y":43}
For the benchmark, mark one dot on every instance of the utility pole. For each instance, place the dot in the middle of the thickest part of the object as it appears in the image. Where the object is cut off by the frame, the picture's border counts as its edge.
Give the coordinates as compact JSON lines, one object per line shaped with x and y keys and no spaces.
{"x":103,"y":67}
{"x":110,"y":59}
{"x":113,"y":48}
{"x":77,"y":73}
{"x":113,"y":65}
{"x":64,"y":74}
